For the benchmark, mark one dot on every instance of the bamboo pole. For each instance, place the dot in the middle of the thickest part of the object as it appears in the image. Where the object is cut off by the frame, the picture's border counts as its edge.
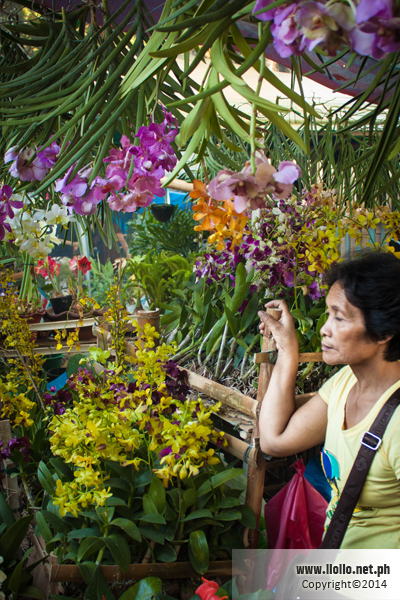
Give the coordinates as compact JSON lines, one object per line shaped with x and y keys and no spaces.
{"x":72,"y":573}
{"x":10,"y":483}
{"x":178,"y":184}
{"x":240,"y":449}
{"x":256,"y":475}
{"x":223,"y":394}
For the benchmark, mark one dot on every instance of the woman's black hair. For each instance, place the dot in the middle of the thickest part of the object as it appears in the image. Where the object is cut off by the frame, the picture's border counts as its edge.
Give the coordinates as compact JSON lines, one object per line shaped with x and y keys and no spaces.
{"x":372,"y":283}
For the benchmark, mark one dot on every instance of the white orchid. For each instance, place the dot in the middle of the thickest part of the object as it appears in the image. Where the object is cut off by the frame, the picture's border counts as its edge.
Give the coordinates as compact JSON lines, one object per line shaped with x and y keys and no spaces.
{"x":39,"y":248}
{"x":57,"y":215}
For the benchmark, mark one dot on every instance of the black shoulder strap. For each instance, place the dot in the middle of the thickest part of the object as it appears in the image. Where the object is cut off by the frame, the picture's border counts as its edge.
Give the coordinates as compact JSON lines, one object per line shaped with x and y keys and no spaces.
{"x":370,"y":442}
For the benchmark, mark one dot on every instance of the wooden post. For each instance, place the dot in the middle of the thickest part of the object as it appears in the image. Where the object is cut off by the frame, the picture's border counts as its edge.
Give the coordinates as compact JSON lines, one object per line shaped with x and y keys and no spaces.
{"x":256,"y":476}
{"x":10,"y":484}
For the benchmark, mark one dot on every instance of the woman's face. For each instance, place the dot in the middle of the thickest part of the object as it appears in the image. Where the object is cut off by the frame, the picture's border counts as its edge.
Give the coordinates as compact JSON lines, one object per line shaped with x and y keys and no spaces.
{"x":344,"y":338}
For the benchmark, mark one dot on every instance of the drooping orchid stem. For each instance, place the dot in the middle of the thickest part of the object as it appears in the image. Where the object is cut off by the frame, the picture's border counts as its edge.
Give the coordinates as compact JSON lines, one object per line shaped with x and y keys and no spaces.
{"x":254,"y":109}
{"x":21,"y":358}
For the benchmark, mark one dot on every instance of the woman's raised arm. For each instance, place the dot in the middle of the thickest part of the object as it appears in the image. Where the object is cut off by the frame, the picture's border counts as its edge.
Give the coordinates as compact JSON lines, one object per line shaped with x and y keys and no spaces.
{"x":284,"y":431}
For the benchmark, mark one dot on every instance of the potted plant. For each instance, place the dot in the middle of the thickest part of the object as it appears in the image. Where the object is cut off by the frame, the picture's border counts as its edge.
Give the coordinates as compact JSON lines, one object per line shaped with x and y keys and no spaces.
{"x":50,"y":269}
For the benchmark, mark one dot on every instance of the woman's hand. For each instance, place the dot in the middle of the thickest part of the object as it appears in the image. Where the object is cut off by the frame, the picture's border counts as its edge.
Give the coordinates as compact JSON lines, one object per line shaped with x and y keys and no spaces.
{"x":283,"y":331}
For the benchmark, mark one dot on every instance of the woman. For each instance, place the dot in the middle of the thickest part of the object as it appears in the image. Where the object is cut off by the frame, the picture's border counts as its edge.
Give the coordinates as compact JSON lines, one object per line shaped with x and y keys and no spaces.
{"x":362,"y":332}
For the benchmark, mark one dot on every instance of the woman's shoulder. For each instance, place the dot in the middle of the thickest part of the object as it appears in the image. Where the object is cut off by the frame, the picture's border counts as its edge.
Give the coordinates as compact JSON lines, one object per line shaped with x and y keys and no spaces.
{"x":338,"y":384}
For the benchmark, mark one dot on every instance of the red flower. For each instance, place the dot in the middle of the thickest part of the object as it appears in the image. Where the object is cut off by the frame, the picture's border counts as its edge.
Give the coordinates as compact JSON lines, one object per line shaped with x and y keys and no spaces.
{"x":73,"y":266}
{"x":207,"y":590}
{"x":84,"y":265}
{"x":47,"y":267}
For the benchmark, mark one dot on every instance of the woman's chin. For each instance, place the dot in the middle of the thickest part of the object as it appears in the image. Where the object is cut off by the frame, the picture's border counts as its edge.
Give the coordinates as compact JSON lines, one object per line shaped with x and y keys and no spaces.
{"x":329,"y":358}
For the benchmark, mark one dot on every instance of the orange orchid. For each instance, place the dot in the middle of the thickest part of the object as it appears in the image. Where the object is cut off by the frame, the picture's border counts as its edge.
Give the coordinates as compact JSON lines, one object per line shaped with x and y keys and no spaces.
{"x":206,"y":209}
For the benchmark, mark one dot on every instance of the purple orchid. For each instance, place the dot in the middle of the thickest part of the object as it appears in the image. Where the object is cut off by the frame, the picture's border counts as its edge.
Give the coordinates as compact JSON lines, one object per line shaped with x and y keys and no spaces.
{"x":165,"y":452}
{"x":3,"y":225}
{"x":16,"y":444}
{"x":49,"y":155}
{"x":76,"y":194}
{"x":23,"y":167}
{"x":379,"y":28}
{"x":7,"y":204}
{"x":102,"y":186}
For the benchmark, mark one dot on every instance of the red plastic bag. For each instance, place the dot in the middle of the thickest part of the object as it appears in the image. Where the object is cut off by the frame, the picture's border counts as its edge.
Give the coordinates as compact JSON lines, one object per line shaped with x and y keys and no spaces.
{"x":294,"y":519}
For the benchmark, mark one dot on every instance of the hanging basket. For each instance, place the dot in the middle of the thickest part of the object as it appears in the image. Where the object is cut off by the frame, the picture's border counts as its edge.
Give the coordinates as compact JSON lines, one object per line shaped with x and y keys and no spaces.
{"x":162,"y":212}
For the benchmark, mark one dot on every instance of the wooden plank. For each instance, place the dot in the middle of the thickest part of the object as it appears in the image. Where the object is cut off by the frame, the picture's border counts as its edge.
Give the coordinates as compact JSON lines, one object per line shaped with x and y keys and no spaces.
{"x":239,"y":448}
{"x":263,"y":357}
{"x":51,"y":350}
{"x":178,"y":570}
{"x":50,"y":326}
{"x":221,"y":393}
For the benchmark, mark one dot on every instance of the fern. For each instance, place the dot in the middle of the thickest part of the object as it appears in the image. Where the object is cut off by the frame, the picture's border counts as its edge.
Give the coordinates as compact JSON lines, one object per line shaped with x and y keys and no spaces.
{"x":176,"y":236}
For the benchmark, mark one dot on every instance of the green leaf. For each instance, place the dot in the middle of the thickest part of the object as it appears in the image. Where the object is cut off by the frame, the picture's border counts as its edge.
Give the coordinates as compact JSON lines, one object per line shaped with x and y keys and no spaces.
{"x":78,"y":534}
{"x":119,"y":549}
{"x":248,"y":517}
{"x":129,"y":527}
{"x":321,"y":321}
{"x":153,"y":518}
{"x":249,"y":313}
{"x":145,"y":589}
{"x":31,"y":591}
{"x":43,"y":527}
{"x":98,"y":588}
{"x":89,"y":546}
{"x":152,"y":533}
{"x":149,"y":506}
{"x":6,"y":513}
{"x":62,"y":468}
{"x":229,"y":515}
{"x":87,"y":570}
{"x":219,"y":479}
{"x":15,"y":578}
{"x":233,"y":322}
{"x":189,"y":497}
{"x":165,"y":553}
{"x":198,"y":551}
{"x":228,"y":502}
{"x":157,"y":494}
{"x":198,"y":514}
{"x":11,"y":540}
{"x":45,"y":478}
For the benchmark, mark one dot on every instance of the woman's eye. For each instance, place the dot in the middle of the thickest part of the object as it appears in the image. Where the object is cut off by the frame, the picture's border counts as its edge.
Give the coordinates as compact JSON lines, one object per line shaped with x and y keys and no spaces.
{"x":338,"y":319}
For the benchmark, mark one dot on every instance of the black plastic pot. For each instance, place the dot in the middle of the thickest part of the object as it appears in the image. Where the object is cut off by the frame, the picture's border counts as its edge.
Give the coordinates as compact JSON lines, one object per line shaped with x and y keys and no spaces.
{"x":60,"y":304}
{"x":54,"y":374}
{"x":162,"y":212}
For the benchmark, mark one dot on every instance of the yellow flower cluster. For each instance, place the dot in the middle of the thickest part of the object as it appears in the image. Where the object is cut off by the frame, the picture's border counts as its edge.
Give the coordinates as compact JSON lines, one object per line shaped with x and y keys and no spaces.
{"x":20,"y":388}
{"x":136,"y":423}
{"x":71,"y":336}
{"x":321,"y":239}
{"x":118,"y":318}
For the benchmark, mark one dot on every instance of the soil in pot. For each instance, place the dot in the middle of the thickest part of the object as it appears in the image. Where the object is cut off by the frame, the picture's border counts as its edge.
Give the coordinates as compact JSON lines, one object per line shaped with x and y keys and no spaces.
{"x":61,"y":304}
{"x":162,"y":212}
